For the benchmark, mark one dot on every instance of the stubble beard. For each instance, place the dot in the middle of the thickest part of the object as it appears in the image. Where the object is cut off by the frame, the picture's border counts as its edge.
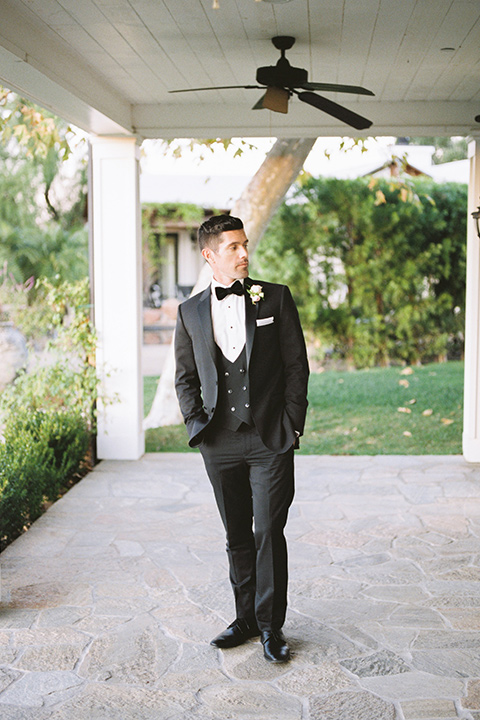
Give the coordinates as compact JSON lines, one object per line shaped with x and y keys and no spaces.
{"x":242,"y":271}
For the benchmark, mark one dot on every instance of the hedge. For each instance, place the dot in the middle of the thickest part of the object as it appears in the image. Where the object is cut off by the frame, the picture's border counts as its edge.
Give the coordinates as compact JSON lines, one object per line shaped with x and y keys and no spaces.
{"x":42,"y":451}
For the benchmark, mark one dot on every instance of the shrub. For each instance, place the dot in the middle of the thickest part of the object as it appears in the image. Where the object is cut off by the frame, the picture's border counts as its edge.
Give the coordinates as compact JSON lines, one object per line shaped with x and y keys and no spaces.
{"x":377,"y":266}
{"x":41,"y":452}
{"x":48,"y":414}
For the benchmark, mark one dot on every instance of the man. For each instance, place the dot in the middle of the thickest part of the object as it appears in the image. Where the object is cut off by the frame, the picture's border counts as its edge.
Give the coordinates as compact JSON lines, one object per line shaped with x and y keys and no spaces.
{"x":241,"y":381}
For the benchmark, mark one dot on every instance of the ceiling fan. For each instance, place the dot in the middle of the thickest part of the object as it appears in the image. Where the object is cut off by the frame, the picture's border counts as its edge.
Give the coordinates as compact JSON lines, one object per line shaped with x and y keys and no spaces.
{"x":283,"y":80}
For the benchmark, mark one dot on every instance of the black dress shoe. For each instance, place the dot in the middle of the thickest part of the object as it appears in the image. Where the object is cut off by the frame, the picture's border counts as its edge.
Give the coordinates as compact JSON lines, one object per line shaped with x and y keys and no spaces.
{"x":275,"y":646}
{"x":236,"y":634}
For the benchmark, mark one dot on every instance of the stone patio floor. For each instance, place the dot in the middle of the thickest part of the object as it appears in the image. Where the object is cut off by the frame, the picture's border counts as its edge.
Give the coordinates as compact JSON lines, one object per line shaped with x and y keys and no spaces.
{"x":110,"y":600}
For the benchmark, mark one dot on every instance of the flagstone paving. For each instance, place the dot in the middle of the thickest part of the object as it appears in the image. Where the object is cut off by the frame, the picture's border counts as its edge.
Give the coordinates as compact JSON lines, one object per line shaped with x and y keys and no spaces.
{"x":110,"y":600}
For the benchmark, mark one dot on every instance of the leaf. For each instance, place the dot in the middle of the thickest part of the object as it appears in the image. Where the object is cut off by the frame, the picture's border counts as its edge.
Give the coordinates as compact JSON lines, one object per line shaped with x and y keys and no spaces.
{"x":404,"y":383}
{"x":412,"y":401}
{"x":447,"y":421}
{"x":404,"y":410}
{"x":407,"y":433}
{"x":427,"y":413}
{"x":407,"y":371}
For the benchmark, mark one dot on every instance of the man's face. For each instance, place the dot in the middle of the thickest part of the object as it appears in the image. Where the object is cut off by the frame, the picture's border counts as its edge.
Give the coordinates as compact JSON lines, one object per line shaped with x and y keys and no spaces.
{"x":230,"y":261}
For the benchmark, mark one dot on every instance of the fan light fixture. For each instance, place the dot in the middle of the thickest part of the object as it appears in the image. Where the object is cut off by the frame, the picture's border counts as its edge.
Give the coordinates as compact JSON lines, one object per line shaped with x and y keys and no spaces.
{"x":276,"y":99}
{"x":476,"y":217}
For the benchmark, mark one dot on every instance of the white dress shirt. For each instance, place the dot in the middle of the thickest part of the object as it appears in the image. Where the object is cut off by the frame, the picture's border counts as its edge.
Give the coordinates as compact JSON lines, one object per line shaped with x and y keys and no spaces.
{"x":228,"y":320}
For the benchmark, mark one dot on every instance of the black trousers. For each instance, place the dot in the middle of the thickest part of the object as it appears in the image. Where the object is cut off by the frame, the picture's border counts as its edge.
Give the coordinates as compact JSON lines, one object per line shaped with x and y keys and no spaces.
{"x":254,"y":489}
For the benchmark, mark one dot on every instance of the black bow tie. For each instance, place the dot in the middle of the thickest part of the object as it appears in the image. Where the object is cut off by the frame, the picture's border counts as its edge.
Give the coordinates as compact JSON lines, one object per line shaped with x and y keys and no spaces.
{"x":235,"y":289}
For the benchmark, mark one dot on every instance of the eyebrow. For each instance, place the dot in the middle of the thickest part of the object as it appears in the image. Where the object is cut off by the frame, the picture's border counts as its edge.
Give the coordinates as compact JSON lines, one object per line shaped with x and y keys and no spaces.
{"x":237,"y":242}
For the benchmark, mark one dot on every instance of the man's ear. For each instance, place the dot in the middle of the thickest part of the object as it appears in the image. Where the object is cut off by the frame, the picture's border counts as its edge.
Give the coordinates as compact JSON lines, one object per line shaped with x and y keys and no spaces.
{"x":207,"y":254}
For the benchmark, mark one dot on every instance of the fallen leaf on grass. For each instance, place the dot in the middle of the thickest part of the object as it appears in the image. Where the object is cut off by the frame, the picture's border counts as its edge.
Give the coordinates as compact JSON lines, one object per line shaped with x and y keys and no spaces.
{"x":447,"y":421}
{"x":407,"y":371}
{"x":412,"y":401}
{"x":404,"y":410}
{"x":404,"y":383}
{"x":428,"y":412}
{"x":407,"y":433}
{"x":341,"y":380}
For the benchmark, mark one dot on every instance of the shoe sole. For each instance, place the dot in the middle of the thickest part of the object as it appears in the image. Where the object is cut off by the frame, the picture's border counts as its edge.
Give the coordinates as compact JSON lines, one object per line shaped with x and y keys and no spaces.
{"x":227,"y":647}
{"x":276,"y":662}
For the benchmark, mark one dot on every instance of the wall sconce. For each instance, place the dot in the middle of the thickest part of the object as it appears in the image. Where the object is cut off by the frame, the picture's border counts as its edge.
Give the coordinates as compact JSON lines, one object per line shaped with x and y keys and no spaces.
{"x":476,"y":217}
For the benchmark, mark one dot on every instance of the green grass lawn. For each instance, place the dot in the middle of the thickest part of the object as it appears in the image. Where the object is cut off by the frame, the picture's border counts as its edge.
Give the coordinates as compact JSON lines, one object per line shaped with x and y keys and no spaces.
{"x":357,"y":413}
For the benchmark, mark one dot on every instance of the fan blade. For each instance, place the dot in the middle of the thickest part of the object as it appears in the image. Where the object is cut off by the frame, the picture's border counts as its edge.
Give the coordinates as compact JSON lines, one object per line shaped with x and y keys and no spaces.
{"x":221,"y":87}
{"x":259,"y":104}
{"x":333,"y":87}
{"x":338,"y":111}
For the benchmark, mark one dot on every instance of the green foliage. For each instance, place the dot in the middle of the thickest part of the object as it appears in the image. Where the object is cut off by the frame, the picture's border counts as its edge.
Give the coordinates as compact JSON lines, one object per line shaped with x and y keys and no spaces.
{"x":70,"y":379}
{"x":447,"y":149}
{"x":200,"y":146}
{"x":40,"y":454}
{"x":155,"y":217}
{"x":52,"y":252}
{"x":157,"y":214}
{"x":35,"y":130}
{"x":377,"y":267}
{"x":18,"y":208}
{"x":49,"y":414}
{"x":37,"y":237}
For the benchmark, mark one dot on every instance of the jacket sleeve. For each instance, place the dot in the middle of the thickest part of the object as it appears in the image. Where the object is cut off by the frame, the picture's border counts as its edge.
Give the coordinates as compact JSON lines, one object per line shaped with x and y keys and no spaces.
{"x":187,"y":381}
{"x":295,"y":362}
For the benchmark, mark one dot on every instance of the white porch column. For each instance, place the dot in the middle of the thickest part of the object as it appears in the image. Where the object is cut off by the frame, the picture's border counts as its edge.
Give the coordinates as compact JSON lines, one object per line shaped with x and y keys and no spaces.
{"x":471,"y":412}
{"x":117,"y":271}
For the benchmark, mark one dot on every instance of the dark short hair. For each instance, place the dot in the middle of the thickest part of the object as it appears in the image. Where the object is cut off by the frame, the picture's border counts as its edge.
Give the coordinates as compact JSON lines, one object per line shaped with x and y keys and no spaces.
{"x":211,"y":229}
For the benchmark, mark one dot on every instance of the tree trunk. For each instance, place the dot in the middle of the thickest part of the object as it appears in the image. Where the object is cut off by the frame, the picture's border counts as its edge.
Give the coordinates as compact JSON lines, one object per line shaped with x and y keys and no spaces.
{"x":256,"y":206}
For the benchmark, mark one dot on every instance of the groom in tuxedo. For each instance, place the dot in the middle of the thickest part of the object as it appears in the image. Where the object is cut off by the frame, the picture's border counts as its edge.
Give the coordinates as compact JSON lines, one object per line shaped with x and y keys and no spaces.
{"x":241,"y":381}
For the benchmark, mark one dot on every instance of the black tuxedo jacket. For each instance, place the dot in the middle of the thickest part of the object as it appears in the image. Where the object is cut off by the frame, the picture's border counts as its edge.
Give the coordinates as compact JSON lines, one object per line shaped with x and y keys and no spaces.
{"x":276,"y":361}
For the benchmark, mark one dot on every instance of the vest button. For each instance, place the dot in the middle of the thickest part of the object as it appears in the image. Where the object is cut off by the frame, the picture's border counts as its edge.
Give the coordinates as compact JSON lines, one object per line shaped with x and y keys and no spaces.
{"x":232,"y":409}
{"x":244,"y":387}
{"x":230,"y":392}
{"x":227,"y":374}
{"x":247,"y":405}
{"x":242,"y":370}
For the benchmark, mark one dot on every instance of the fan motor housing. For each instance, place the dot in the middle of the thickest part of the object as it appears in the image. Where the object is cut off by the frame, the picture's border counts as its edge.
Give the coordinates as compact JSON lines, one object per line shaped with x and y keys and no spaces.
{"x":288,"y":77}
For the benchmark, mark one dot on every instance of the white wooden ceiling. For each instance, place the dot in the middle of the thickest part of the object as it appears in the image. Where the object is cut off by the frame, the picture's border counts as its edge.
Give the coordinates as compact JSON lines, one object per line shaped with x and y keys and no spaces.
{"x":108,"y":65}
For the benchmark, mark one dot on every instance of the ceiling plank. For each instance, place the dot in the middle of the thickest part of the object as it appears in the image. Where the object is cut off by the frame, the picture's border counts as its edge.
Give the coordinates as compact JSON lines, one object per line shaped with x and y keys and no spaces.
{"x":38,"y":46}
{"x":120,"y":57}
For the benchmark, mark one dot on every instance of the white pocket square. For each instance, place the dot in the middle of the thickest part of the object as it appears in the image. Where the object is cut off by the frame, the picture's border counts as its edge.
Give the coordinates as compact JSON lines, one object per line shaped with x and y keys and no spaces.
{"x":265,"y":321}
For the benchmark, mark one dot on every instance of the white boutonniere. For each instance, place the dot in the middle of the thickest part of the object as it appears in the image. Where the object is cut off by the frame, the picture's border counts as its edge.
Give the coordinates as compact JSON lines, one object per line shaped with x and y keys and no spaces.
{"x":256,"y":293}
